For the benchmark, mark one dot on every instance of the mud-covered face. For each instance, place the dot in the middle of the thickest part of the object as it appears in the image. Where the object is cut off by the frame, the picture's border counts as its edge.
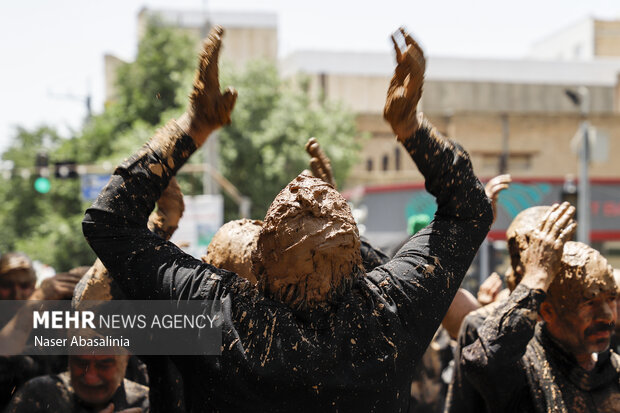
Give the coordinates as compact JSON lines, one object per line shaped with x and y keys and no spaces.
{"x":588,"y":328}
{"x":309,"y":248}
{"x":584,"y":296}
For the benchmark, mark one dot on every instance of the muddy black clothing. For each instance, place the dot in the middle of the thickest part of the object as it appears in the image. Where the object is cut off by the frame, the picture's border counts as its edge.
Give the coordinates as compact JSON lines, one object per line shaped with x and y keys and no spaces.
{"x":371,"y":257}
{"x":17,"y":370}
{"x":54,"y":394}
{"x":518,"y":367}
{"x":462,"y":396}
{"x":432,"y":375}
{"x":359,"y":354}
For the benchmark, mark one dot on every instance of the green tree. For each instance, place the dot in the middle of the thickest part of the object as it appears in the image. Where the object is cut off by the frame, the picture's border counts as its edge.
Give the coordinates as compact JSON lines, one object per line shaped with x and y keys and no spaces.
{"x":146,"y":88}
{"x":263,"y":149}
{"x":260,"y":152}
{"x":149,"y":85}
{"x":44,"y":226}
{"x":48,"y":226}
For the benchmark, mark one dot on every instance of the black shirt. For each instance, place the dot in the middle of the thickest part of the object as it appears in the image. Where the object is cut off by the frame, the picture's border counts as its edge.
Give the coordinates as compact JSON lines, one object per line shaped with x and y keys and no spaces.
{"x":359,"y":354}
{"x":518,"y":367}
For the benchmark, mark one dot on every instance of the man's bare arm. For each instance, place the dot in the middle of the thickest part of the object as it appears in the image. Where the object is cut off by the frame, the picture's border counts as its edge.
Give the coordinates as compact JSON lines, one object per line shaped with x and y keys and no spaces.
{"x":115,"y":226}
{"x":15,"y":333}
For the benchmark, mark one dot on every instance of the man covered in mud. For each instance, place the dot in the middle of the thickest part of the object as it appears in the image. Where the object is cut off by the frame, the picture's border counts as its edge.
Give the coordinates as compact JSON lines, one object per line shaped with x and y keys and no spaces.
{"x":232,"y":246}
{"x":563,"y":363}
{"x":462,"y":396}
{"x":316,"y":333}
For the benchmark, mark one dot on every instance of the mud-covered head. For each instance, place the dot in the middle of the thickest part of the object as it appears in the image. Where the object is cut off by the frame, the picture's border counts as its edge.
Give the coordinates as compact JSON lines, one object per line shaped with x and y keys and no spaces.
{"x":584,"y":273}
{"x":232,"y":246}
{"x":583,"y":297}
{"x":308,"y":250}
{"x":518,"y":238}
{"x":17,"y":276}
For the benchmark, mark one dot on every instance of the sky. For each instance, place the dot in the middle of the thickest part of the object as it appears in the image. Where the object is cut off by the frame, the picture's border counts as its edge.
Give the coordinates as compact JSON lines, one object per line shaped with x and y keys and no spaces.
{"x":52,"y":50}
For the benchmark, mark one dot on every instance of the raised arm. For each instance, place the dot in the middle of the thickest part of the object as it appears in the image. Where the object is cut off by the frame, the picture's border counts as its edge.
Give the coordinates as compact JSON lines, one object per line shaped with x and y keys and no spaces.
{"x":425,"y":274}
{"x":144,"y":264}
{"x":503,"y":337}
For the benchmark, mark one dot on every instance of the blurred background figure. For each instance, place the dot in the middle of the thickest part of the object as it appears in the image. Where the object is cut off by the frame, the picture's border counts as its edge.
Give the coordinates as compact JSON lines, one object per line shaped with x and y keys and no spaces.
{"x":17,"y":282}
{"x":17,"y":276}
{"x":93,"y":383}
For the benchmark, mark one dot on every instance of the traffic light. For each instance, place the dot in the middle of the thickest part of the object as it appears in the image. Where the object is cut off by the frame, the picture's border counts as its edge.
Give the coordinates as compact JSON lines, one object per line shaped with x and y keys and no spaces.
{"x":42,"y":164}
{"x":65,"y":170}
{"x":42,"y":183}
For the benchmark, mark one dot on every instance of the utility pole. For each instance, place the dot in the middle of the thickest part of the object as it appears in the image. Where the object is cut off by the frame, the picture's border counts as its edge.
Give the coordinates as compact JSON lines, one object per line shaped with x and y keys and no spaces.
{"x":85,"y":99}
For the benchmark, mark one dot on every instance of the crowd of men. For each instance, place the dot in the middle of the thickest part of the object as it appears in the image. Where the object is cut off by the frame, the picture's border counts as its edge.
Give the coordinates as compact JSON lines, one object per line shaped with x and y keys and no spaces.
{"x":315,"y":318}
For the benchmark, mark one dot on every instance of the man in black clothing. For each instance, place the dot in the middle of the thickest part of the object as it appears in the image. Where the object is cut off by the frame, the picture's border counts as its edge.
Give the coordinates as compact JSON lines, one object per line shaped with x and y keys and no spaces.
{"x":93,"y":384}
{"x":462,"y":396}
{"x":350,"y":345}
{"x":562,"y":364}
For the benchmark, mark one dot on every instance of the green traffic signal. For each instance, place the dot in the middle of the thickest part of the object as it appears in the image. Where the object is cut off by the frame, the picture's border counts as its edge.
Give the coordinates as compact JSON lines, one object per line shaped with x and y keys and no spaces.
{"x":42,"y":185}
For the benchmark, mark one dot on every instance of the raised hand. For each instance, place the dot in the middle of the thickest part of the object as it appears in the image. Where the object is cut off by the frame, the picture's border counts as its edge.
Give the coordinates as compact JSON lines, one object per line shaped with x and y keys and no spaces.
{"x":209,"y":109}
{"x":541,"y":259}
{"x":170,"y":207}
{"x":405,"y":88}
{"x":494,"y":187}
{"x":319,"y":162}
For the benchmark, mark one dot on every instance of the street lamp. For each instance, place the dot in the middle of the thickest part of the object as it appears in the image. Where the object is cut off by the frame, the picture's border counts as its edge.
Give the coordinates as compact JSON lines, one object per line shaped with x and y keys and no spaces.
{"x":581,"y":99}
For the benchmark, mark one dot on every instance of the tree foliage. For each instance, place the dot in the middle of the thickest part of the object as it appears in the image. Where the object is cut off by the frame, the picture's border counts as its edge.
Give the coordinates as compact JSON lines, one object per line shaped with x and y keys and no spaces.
{"x":260,"y":152}
{"x":48,"y":226}
{"x":44,"y":226}
{"x":263,"y":148}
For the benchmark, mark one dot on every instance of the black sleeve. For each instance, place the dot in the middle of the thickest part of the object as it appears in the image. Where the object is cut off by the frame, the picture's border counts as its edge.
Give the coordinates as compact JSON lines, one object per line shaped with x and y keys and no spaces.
{"x":371,"y":256}
{"x":501,"y":343}
{"x":145,"y":265}
{"x":427,"y":271}
{"x":462,"y":397}
{"x":40,"y":395}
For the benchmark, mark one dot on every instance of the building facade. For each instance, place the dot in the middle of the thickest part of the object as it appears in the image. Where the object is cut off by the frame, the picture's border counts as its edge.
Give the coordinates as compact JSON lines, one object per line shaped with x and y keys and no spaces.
{"x":513,"y":116}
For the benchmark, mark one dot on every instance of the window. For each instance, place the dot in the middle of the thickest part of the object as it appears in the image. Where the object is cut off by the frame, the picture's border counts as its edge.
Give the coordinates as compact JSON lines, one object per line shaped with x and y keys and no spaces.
{"x":397,"y":158}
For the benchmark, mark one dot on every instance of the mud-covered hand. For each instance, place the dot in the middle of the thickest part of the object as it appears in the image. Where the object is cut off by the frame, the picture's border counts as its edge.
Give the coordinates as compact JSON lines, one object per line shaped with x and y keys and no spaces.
{"x":405,"y":88}
{"x":170,"y":207}
{"x":209,"y":108}
{"x":494,"y":187}
{"x":319,"y":162}
{"x":541,"y":259}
